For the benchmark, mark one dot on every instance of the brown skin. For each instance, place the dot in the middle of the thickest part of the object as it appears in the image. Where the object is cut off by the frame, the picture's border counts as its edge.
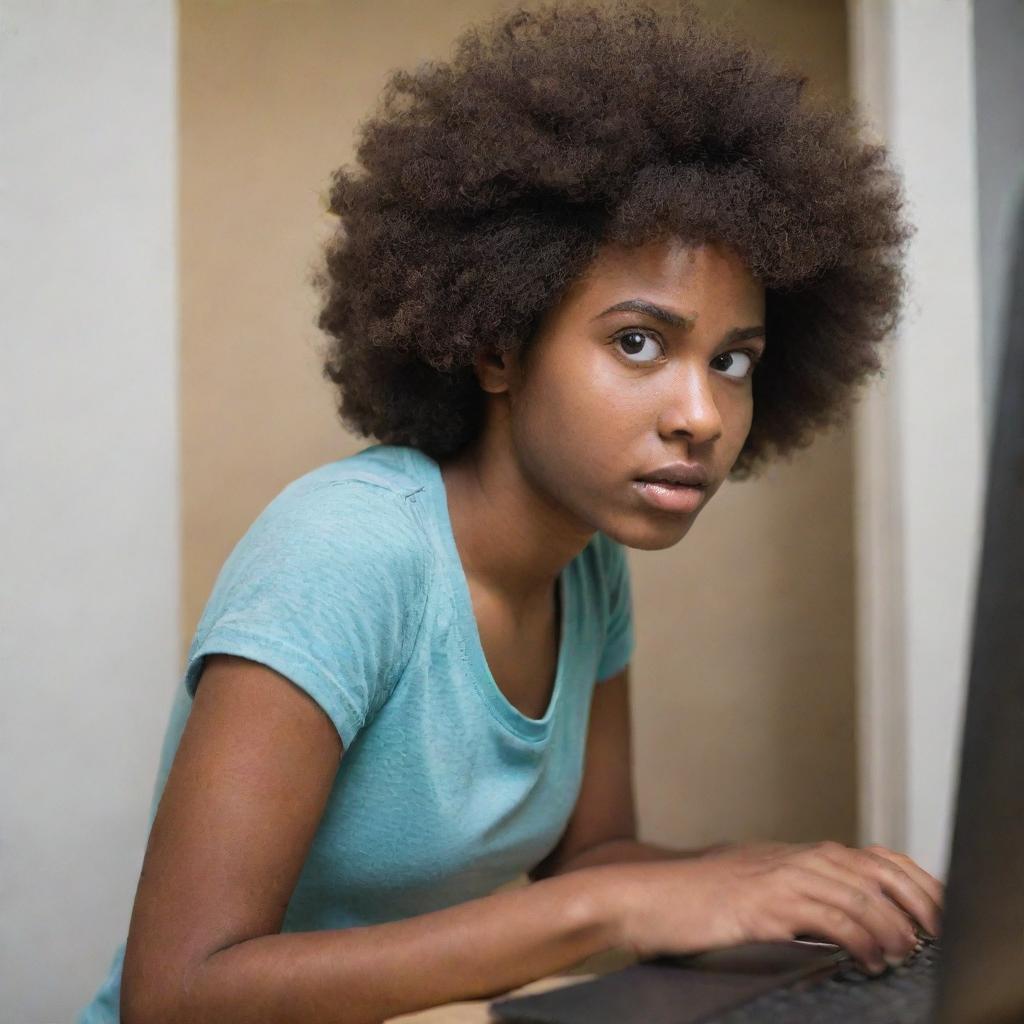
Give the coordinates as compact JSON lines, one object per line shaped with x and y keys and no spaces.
{"x":565,"y":436}
{"x":600,"y":400}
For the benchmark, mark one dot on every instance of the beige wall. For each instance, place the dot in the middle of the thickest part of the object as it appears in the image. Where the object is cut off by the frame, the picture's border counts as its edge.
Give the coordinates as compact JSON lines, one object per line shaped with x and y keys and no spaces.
{"x":743,"y":693}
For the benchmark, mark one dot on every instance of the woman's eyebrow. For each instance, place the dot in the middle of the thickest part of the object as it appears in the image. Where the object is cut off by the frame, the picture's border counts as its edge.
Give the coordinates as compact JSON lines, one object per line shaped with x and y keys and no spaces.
{"x":674,"y":319}
{"x":649,"y":309}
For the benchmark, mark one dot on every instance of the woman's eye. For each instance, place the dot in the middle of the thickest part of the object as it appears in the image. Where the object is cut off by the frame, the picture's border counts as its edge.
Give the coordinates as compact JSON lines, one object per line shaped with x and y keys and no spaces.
{"x":634,"y":343}
{"x":738,"y":361}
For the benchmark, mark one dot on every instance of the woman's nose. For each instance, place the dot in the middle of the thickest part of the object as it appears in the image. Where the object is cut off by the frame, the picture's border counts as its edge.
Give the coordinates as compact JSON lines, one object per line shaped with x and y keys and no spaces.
{"x":689,"y":408}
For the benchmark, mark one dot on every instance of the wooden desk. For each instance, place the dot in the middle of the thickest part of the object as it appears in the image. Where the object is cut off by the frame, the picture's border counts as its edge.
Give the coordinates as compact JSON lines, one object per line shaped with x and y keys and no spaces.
{"x":475,"y":1011}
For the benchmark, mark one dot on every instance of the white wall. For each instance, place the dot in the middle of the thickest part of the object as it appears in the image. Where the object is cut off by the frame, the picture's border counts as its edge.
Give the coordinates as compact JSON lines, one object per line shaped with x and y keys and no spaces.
{"x":920,"y":437}
{"x":88,"y":470}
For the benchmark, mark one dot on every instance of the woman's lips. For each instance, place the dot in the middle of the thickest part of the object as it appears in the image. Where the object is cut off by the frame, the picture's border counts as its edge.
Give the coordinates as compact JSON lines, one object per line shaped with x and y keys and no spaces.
{"x":670,"y":497}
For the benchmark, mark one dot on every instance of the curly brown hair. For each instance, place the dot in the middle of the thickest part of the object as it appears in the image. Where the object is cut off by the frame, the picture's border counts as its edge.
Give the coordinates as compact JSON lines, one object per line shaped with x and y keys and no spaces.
{"x":489,"y":182}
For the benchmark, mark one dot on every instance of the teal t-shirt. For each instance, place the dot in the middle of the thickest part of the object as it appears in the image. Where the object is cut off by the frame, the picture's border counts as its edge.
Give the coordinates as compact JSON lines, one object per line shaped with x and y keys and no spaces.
{"x":349,"y":584}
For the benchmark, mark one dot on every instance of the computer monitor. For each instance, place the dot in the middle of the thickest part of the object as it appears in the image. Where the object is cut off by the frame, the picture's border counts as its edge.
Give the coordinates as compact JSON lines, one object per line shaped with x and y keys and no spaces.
{"x":982,"y":975}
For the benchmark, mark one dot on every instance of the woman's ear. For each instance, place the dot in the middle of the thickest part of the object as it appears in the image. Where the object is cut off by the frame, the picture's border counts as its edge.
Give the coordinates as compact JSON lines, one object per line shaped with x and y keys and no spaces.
{"x":494,"y":369}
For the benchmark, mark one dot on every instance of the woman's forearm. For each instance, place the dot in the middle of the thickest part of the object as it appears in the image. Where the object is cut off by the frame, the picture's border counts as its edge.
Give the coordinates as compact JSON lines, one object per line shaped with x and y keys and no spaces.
{"x":622,"y":851}
{"x":474,"y":950}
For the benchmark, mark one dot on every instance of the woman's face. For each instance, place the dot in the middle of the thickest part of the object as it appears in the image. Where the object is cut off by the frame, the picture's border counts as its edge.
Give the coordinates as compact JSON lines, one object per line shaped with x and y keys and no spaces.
{"x":610,"y":395}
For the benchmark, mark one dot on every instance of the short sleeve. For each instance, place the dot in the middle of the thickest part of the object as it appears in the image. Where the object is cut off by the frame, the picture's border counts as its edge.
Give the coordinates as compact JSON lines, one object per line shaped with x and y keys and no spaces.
{"x":327,"y":587}
{"x":619,"y":639}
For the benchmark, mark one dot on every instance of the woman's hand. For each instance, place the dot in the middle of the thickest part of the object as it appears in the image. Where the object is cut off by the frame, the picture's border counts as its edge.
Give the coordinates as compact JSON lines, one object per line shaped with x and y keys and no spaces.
{"x":866,"y":900}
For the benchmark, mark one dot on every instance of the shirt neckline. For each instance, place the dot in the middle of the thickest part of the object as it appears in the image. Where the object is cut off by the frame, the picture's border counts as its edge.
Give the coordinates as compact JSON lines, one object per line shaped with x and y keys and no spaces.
{"x":533,"y":729}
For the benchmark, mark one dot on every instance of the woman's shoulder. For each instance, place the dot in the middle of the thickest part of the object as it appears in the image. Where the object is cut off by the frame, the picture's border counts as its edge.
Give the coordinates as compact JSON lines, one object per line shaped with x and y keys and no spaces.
{"x":353,"y":511}
{"x":374,"y":476}
{"x":372,"y":487}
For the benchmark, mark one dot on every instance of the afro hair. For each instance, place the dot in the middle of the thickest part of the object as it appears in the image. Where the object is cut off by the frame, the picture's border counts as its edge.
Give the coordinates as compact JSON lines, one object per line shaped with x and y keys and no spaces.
{"x":489,"y":182}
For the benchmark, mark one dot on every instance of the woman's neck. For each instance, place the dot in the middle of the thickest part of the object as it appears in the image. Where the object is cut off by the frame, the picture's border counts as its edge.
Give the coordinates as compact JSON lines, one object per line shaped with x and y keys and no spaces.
{"x":510,"y":537}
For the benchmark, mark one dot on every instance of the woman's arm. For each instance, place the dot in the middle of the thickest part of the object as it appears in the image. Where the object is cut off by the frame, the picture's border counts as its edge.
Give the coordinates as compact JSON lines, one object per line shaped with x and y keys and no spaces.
{"x":627,"y":851}
{"x":241,"y":806}
{"x":475,"y":950}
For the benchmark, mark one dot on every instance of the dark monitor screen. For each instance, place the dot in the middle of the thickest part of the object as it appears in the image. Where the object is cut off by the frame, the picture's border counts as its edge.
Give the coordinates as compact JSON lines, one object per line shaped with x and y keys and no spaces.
{"x":982,"y":974}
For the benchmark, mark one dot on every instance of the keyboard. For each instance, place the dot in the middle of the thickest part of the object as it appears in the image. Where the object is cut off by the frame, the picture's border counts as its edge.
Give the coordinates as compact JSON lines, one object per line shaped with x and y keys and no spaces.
{"x":903,"y":995}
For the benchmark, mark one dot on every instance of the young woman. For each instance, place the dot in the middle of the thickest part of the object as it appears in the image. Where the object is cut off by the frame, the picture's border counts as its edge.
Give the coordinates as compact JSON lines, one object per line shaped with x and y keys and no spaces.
{"x":596,"y":264}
